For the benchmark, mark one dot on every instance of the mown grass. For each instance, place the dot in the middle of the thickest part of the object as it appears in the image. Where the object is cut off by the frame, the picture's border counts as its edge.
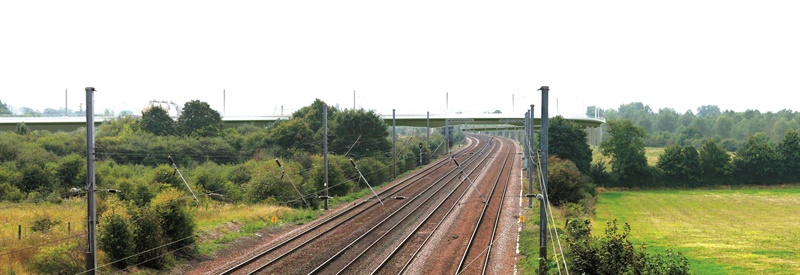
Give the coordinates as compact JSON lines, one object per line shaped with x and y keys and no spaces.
{"x":733,"y":231}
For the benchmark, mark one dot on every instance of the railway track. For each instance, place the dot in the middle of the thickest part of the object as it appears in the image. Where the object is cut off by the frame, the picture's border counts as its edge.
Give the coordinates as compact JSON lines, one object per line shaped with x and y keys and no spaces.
{"x":368,"y":238}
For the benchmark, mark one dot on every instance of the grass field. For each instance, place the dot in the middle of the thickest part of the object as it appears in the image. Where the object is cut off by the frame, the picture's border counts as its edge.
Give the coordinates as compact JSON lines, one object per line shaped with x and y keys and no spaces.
{"x":651,"y":153}
{"x":733,"y":231}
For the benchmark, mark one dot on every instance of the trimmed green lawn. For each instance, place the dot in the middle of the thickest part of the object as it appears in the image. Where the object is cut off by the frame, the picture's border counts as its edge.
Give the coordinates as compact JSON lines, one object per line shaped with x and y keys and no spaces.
{"x":733,"y":231}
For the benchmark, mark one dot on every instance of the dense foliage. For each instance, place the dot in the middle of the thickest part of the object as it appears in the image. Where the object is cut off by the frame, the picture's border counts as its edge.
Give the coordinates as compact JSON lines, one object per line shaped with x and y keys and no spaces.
{"x":730,"y":129}
{"x":613,"y":253}
{"x":567,"y":140}
{"x":626,"y":147}
{"x":150,"y":218}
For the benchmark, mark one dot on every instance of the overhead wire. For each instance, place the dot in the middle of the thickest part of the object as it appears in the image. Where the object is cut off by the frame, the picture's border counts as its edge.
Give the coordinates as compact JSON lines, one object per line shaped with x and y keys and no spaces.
{"x":549,"y":211}
{"x":41,"y":244}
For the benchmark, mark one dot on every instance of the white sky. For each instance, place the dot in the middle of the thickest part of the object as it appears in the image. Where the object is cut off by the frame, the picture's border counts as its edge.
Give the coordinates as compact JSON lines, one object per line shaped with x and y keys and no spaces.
{"x":402,"y":55}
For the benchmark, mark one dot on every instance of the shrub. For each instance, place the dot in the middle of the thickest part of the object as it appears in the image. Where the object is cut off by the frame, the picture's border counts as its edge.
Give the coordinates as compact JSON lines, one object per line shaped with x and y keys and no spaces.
{"x":116,"y":239}
{"x":67,"y":258}
{"x":613,"y":253}
{"x":43,"y":223}
{"x":566,"y":184}
{"x":148,"y":238}
{"x":175,"y":219}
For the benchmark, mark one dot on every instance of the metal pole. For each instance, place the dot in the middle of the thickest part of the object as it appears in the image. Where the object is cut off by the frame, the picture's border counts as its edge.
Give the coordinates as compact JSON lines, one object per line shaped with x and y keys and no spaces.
{"x":394,"y":145}
{"x":532,"y":129}
{"x":420,"y":154}
{"x":543,"y":144}
{"x":528,"y":160}
{"x":91,"y":254}
{"x":542,"y":235}
{"x":325,"y":150}
{"x":429,"y":128}
{"x":446,"y":136}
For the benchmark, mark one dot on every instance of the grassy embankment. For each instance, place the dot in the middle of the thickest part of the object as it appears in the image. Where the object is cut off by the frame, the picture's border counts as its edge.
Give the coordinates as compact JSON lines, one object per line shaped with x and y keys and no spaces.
{"x":217,"y":224}
{"x":733,"y":231}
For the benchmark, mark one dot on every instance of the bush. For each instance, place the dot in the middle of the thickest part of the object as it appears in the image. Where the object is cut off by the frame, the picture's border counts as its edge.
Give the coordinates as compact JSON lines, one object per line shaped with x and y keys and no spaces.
{"x":43,"y":223}
{"x":565,"y":183}
{"x":615,"y":254}
{"x":10,"y":193}
{"x":148,"y":238}
{"x":599,"y":175}
{"x":175,"y":219}
{"x":67,"y":258}
{"x":116,"y":239}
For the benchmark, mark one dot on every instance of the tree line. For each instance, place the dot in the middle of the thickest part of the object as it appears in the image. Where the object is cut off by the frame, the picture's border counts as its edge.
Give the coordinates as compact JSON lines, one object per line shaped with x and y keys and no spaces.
{"x":728,"y":128}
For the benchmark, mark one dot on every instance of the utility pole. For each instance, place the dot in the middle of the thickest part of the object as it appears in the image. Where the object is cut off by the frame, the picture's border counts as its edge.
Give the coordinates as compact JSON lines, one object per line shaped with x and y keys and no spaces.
{"x":527,"y":147}
{"x":91,"y":253}
{"x":543,"y":144}
{"x":325,"y":151}
{"x":531,"y":134}
{"x":446,"y":136}
{"x":394,"y":145}
{"x":428,"y":121}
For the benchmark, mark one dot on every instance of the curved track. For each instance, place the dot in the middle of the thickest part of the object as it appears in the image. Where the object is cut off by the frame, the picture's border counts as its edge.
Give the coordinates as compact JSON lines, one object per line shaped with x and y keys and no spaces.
{"x":367,"y":237}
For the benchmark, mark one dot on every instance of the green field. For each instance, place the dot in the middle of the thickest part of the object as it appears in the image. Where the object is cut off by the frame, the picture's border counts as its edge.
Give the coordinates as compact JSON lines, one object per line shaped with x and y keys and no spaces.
{"x":731,"y":231}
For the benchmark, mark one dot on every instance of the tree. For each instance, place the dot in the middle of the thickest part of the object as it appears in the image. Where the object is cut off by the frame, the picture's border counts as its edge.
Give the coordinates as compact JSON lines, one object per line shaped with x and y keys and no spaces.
{"x":198,"y":119}
{"x":293,"y":135}
{"x":22,"y":129}
{"x":567,"y":140}
{"x":565,"y":183}
{"x":312,"y":114}
{"x":667,"y":120}
{"x":690,"y":162}
{"x":789,"y":150}
{"x":715,"y":163}
{"x":71,"y":171}
{"x":156,"y":120}
{"x":4,"y":109}
{"x":756,"y":161}
{"x":626,"y":147}
{"x":708,"y":110}
{"x":594,"y":111}
{"x":350,"y":124}
{"x":669,"y":163}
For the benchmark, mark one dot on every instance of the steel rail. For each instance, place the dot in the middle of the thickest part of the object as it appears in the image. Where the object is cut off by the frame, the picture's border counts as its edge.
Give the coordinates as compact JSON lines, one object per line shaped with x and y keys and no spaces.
{"x":444,"y":199}
{"x":295,"y":249}
{"x":424,"y":242}
{"x":480,"y":221}
{"x":395,"y":188}
{"x":341,"y":216}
